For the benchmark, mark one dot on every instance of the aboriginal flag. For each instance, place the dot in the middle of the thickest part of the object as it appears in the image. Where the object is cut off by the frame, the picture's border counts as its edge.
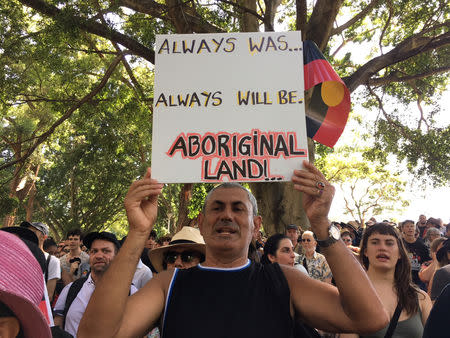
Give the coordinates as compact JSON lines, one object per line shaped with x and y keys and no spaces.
{"x":328,"y":111}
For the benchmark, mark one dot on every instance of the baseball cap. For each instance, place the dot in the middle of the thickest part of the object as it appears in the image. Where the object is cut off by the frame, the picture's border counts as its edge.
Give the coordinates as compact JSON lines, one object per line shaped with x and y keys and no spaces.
{"x":292,"y":227}
{"x":104,"y":235}
{"x":37,"y":225}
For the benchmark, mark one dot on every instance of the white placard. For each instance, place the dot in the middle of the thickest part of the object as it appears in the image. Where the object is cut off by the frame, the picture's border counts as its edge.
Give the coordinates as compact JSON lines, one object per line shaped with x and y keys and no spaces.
{"x":228,"y":107}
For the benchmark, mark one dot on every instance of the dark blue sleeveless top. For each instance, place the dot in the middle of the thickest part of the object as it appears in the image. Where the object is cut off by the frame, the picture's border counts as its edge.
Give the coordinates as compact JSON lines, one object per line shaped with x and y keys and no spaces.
{"x":245,"y":302}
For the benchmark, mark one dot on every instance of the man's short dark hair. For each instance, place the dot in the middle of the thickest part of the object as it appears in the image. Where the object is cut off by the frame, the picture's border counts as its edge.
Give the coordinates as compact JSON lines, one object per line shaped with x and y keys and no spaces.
{"x":152,"y":234}
{"x":75,"y":232}
{"x":405,"y":222}
{"x":103,"y":235}
{"x":229,"y":185}
{"x":48,"y":243}
{"x":163,"y":239}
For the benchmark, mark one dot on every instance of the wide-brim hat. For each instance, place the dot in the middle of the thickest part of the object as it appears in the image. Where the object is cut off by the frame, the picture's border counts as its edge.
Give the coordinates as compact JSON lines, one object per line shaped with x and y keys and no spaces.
{"x":22,"y":286}
{"x":104,"y":235}
{"x":22,"y":232}
{"x":188,"y":237}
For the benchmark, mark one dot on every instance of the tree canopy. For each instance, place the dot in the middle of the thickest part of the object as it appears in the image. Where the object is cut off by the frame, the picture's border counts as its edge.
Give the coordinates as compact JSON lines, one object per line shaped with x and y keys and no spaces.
{"x":76,"y":93}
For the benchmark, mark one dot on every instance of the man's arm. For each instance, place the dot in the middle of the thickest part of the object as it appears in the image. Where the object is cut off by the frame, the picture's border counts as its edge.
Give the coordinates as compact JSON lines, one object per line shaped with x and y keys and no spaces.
{"x":60,"y":305}
{"x":51,"y":284}
{"x":110,"y":311}
{"x":54,"y":273}
{"x":354,"y":306}
{"x":68,"y":276}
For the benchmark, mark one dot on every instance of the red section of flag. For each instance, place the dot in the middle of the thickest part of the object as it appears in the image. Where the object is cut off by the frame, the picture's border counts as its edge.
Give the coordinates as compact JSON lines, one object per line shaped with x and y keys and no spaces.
{"x":316,"y":71}
{"x":319,"y":71}
{"x":43,"y":308}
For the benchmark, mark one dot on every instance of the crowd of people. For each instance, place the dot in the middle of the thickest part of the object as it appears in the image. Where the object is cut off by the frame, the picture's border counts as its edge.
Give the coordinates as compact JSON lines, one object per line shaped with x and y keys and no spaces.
{"x":224,"y":278}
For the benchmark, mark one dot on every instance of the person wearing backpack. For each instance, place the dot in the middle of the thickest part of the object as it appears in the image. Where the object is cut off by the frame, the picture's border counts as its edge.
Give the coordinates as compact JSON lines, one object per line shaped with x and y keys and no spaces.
{"x":53,"y":269}
{"x":73,"y":300}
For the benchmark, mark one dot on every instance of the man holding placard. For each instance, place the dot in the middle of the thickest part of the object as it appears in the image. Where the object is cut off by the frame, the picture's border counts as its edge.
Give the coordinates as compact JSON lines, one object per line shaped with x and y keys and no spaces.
{"x":220,"y":296}
{"x":228,"y":107}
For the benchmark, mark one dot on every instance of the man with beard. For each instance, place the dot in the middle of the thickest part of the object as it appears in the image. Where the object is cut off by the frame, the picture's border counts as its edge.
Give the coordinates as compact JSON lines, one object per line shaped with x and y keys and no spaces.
{"x":103,"y":247}
{"x":227,"y":293}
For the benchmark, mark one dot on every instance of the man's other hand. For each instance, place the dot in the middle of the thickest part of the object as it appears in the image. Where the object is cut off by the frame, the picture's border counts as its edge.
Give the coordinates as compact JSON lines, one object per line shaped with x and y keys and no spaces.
{"x":141,"y":203}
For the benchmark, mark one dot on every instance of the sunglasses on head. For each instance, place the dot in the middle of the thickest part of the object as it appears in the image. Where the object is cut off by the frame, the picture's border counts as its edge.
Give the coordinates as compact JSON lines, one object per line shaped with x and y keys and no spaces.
{"x":186,"y":256}
{"x":306,"y":239}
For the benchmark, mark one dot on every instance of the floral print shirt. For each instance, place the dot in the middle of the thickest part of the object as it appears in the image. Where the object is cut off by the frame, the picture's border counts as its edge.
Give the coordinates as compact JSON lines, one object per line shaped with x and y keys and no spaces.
{"x":317,"y":266}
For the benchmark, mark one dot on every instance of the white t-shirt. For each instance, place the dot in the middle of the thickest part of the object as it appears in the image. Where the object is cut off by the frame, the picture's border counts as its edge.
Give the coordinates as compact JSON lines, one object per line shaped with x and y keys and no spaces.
{"x":77,"y":308}
{"x":54,"y":267}
{"x":142,"y":275}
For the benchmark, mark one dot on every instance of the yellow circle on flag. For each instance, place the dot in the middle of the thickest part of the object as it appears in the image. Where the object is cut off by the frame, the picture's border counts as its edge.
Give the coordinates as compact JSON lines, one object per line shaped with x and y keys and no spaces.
{"x":332,"y":93}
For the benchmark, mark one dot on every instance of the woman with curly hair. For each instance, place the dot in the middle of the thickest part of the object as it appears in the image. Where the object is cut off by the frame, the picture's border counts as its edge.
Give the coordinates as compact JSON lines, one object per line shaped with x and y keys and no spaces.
{"x":386,"y":260}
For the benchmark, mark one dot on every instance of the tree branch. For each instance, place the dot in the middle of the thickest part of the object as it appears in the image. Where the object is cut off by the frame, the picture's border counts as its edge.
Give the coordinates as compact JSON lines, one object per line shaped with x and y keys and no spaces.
{"x":136,"y":85}
{"x":93,"y":27}
{"x":155,"y":9}
{"x":361,"y":15}
{"x":394,"y":78}
{"x":244,"y":9}
{"x":321,"y":21}
{"x":386,"y":25}
{"x":302,"y":14}
{"x":40,"y":139}
{"x":410,"y":47}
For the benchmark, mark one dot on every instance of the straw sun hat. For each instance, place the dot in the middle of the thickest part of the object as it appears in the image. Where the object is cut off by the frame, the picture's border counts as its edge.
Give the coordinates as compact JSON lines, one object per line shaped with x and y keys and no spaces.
{"x":188,"y":237}
{"x":22,"y":285}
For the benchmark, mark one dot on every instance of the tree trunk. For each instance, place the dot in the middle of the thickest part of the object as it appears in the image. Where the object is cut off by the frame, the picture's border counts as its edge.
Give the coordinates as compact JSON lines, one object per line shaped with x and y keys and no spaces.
{"x":183,"y":212}
{"x":8,"y":221}
{"x":29,"y":208}
{"x":249,"y":22}
{"x":279,"y":204}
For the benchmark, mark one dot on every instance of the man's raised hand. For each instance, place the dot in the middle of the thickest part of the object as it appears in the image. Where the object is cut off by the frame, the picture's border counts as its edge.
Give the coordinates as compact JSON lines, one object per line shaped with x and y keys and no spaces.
{"x":317,"y":195}
{"x":141,"y":203}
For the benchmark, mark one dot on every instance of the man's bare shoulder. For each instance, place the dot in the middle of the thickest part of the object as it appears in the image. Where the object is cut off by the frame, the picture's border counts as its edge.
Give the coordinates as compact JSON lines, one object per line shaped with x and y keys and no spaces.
{"x":292,"y":273}
{"x":160,"y":280}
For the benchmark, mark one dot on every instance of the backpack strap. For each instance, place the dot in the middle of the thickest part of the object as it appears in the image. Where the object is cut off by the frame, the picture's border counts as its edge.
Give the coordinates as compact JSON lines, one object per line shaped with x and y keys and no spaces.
{"x":394,"y":321}
{"x":47,"y":263}
{"x":72,"y":294}
{"x":305,"y":265}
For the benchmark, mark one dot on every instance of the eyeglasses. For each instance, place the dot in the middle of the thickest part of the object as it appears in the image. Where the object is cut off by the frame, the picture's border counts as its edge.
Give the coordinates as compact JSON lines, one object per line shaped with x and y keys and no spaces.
{"x":306,"y":239}
{"x":347,"y":240}
{"x":186,"y":256}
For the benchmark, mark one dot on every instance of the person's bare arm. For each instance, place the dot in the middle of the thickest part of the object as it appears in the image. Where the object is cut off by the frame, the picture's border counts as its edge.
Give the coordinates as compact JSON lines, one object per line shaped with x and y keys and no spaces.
{"x":110,"y":304}
{"x":427,"y":273}
{"x":59,"y":321}
{"x":141,"y":315}
{"x":425,"y":305}
{"x":51,"y":284}
{"x":354,"y":305}
{"x":67,"y":277}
